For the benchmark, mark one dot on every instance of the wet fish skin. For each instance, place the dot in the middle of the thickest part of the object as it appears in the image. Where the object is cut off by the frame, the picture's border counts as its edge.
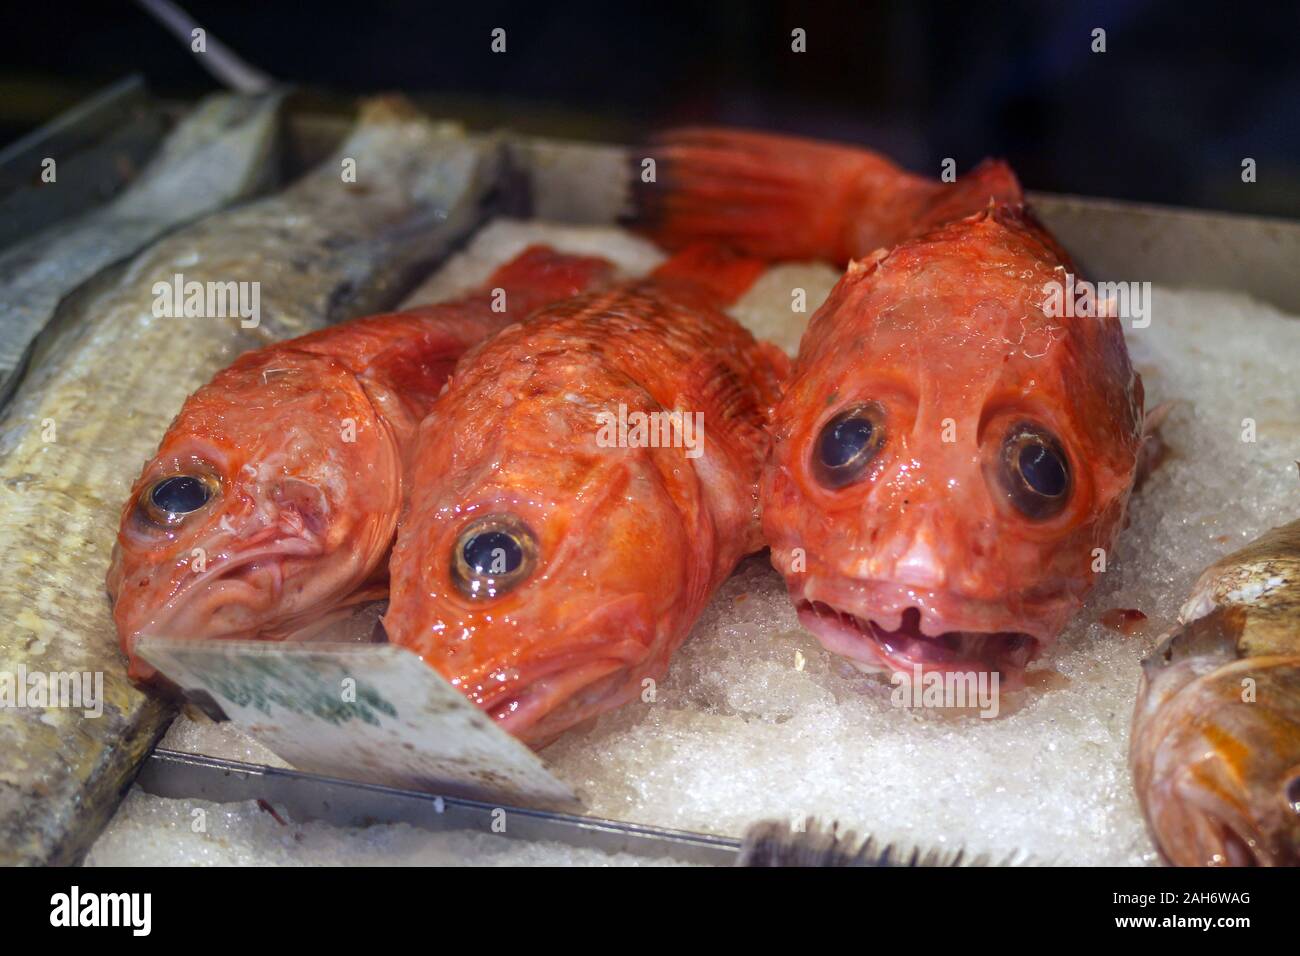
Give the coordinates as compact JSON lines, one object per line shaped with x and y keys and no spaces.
{"x":112,"y":375}
{"x":223,"y":151}
{"x":1215,"y":742}
{"x":300,"y":446}
{"x":926,"y":546}
{"x":622,"y":546}
{"x":946,"y":335}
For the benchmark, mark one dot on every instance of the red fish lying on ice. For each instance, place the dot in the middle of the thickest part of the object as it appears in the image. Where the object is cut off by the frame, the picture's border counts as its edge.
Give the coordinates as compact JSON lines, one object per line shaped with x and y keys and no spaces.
{"x":948,"y":457}
{"x":273,"y":499}
{"x":558,"y":546}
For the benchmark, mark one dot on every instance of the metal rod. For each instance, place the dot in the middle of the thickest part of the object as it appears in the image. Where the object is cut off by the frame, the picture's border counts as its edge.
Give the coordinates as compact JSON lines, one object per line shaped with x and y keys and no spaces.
{"x":168,"y":773}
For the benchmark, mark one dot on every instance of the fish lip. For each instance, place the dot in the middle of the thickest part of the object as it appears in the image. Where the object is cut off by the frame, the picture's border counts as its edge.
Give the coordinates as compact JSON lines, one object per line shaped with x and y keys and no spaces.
{"x":548,"y":684}
{"x":628,"y":652}
{"x":936,"y":633}
{"x":540,"y":698}
{"x":941,"y":611}
{"x":230,"y":570}
{"x":1213,"y":832}
{"x":850,"y":617}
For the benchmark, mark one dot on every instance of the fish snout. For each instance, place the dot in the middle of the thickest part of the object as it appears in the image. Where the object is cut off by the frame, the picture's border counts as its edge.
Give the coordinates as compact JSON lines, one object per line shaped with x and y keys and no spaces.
{"x":247,"y":590}
{"x":1203,"y":813}
{"x":923,"y":546}
{"x":1198,"y":825}
{"x":593,"y":663}
{"x":913,"y":555}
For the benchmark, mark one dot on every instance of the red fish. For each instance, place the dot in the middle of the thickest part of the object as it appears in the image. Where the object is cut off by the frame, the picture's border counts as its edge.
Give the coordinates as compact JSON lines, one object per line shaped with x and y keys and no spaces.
{"x":950,"y":462}
{"x":551,"y":561}
{"x":273,"y":500}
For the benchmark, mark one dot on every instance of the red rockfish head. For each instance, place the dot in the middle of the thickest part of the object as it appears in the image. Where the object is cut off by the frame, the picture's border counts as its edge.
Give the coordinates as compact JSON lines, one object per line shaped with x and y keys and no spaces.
{"x":543,"y":572}
{"x":951,"y":462}
{"x":273,"y":497}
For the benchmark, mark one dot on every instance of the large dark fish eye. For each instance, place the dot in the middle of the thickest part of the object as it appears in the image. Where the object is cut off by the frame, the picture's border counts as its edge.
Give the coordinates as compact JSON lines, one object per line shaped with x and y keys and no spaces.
{"x":168,"y":500}
{"x":1034,"y":471}
{"x":492,"y":555}
{"x":1293,"y":794}
{"x":847,"y":444}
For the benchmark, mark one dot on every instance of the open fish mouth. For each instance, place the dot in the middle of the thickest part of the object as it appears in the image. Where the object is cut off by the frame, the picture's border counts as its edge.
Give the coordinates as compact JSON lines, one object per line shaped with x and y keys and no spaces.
{"x":874,"y":645}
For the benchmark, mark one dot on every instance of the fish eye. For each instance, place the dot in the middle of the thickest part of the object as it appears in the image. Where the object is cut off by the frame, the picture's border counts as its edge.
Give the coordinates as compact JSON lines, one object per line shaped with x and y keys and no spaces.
{"x":1293,"y":794}
{"x":169,"y":500}
{"x":847,"y":444}
{"x":1035,"y":472}
{"x":492,"y":555}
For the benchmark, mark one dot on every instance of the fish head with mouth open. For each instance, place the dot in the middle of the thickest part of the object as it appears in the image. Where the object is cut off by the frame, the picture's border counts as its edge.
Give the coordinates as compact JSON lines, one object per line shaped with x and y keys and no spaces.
{"x":531,"y":574}
{"x":949,"y":457}
{"x":271,"y":501}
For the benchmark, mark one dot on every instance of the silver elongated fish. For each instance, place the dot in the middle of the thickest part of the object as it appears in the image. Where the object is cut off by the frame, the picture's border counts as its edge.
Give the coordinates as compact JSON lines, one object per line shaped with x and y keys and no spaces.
{"x":110,"y":376}
{"x":222,"y":152}
{"x":1216,"y":733}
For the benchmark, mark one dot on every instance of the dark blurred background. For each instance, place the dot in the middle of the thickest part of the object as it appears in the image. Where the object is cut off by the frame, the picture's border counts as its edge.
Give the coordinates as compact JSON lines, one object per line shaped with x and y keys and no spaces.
{"x":1185,"y":90}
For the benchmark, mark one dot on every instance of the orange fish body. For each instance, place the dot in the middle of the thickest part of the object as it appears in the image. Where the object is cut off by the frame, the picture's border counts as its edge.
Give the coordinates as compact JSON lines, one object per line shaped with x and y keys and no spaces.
{"x":272,"y":502}
{"x":951,"y":463}
{"x":552,"y":556}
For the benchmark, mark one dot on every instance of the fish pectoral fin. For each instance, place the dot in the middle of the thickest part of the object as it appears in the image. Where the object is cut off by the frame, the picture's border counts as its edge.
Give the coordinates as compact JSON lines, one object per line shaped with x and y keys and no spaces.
{"x":1154,"y":450}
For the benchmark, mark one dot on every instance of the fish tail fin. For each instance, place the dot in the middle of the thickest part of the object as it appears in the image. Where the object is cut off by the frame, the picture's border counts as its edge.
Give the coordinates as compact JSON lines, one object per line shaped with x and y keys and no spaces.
{"x":784,"y":197}
{"x":776,"y":197}
{"x":541,"y":275}
{"x":714,"y":272}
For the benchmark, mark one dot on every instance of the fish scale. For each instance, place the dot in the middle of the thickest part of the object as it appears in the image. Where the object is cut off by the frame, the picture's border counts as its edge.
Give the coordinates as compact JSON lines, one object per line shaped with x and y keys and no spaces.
{"x":111,"y":377}
{"x":295,"y":521}
{"x":949,"y":452}
{"x":619,"y":546}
